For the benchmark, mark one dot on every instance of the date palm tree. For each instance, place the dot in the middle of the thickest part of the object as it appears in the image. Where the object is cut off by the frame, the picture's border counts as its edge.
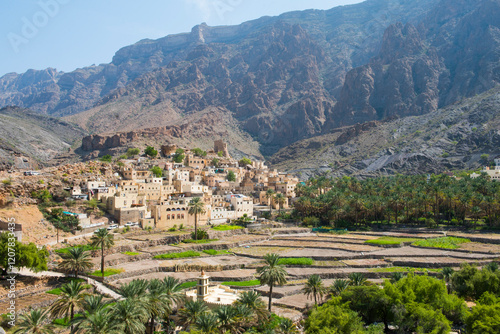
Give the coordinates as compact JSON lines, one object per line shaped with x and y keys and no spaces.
{"x":357,"y":279}
{"x":130,"y":317}
{"x":71,"y":298}
{"x":34,"y":322}
{"x":338,"y":286}
{"x":280,"y":199}
{"x":269,"y":197}
{"x":95,"y":322}
{"x":314,"y":286}
{"x":228,"y":319}
{"x":173,"y":289}
{"x":252,"y":300}
{"x":272,"y":273}
{"x":103,"y":240}
{"x":76,"y":260}
{"x":191,"y":311}
{"x":134,"y":289}
{"x":286,"y":326}
{"x":196,"y":207}
{"x":158,"y":303}
{"x":207,"y":323}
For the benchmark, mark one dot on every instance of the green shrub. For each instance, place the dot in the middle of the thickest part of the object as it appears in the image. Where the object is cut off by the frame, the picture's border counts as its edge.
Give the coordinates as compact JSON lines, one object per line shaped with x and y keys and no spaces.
{"x":132,"y":151}
{"x":202,"y":234}
{"x":177,"y":255}
{"x":106,"y":158}
{"x":296,"y":261}
{"x":443,"y":242}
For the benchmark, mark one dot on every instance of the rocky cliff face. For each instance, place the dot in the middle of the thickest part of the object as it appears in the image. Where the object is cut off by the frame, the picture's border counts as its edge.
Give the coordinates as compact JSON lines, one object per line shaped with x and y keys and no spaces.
{"x":451,"y":138}
{"x":453,"y":53}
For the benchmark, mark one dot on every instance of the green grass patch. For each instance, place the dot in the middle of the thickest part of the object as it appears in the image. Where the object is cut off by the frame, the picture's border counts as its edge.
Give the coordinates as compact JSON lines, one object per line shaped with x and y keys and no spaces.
{"x":108,"y":272}
{"x":216,"y":252}
{"x":201,"y":241}
{"x":243,"y":283}
{"x":443,"y":242}
{"x":131,"y":253}
{"x":63,"y":322}
{"x":56,"y":291}
{"x":226,"y":227}
{"x":177,"y":255}
{"x":187,"y":285}
{"x":390,"y":241}
{"x":296,"y":261}
{"x":85,"y":247}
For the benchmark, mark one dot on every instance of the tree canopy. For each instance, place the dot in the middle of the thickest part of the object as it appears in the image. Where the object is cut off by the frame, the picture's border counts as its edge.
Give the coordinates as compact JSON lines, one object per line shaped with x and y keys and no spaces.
{"x":26,"y":255}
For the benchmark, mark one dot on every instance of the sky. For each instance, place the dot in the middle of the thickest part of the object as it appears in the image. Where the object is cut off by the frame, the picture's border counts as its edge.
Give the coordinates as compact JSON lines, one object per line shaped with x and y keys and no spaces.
{"x":68,"y":34}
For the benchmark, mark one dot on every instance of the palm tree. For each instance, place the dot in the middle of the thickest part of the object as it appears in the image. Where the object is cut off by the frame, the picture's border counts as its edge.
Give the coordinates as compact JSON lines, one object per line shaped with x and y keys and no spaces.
{"x":191,"y":311}
{"x":104,"y":240}
{"x":280,"y":199}
{"x":134,"y":289}
{"x":269,"y":197}
{"x":71,"y":298}
{"x":314,"y":286}
{"x":77,"y":259}
{"x":357,"y":279}
{"x":272,"y":274}
{"x":196,"y":207}
{"x":93,"y":303}
{"x":207,"y":323}
{"x":253,"y":301}
{"x":286,"y":326}
{"x":173,"y":289}
{"x":158,"y":303}
{"x":96,"y":322}
{"x":447,"y":273}
{"x":396,"y":277}
{"x":338,"y":286}
{"x":130,"y":317}
{"x":228,"y":318}
{"x":34,"y":322}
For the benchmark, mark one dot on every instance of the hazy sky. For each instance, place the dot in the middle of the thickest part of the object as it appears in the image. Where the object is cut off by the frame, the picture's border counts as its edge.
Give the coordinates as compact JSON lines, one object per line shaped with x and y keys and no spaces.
{"x":67,"y":34}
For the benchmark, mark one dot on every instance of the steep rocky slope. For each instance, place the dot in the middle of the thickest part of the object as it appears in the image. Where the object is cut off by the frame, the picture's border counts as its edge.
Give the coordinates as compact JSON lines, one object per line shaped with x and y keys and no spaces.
{"x":28,"y":140}
{"x":452,"y":138}
{"x":350,"y":35}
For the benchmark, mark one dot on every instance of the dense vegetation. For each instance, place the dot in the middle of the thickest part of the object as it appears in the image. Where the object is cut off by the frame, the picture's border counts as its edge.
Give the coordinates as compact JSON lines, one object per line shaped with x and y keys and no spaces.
{"x":416,"y":200}
{"x":413,"y":304}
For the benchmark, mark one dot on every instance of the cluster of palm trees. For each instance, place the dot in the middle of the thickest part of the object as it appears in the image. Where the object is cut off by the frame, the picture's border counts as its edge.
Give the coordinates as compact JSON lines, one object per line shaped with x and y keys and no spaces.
{"x":400,"y":199}
{"x":271,"y":195}
{"x":315,"y":288}
{"x":144,"y":305}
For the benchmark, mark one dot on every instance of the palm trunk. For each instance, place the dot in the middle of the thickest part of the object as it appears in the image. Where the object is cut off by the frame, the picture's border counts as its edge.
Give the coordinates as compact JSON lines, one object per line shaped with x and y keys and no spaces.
{"x":102,"y":259}
{"x":57,"y":233}
{"x":151,"y":329}
{"x":72,"y":314}
{"x":270,"y":297}
{"x":315,"y":299}
{"x":196,"y":227}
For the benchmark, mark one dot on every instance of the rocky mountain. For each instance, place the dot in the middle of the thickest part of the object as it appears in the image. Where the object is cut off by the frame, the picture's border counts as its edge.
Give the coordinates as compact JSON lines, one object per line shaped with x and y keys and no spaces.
{"x":451,"y":138}
{"x":277,"y":80}
{"x":28,"y":140}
